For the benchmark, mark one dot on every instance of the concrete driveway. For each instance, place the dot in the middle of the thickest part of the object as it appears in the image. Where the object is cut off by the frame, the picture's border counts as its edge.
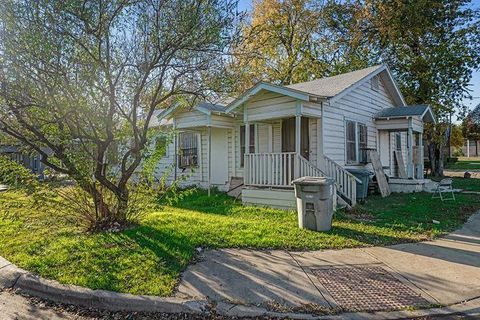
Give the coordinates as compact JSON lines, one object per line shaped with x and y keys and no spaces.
{"x":444,"y":271}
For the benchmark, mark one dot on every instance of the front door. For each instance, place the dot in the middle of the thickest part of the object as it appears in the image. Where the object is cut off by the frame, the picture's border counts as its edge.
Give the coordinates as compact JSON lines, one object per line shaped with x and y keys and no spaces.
{"x":288,"y":137}
{"x":219,"y":157}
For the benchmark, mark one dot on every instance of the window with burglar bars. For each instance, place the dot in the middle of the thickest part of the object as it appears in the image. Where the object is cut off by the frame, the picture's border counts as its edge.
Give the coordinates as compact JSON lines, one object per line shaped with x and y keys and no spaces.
{"x":188,"y":150}
{"x":356,"y":142}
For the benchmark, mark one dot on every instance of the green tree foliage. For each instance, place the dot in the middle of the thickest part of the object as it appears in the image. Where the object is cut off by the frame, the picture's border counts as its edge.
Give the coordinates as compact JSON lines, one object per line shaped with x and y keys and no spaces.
{"x":83,"y":79}
{"x":432,"y":47}
{"x":471,"y":124}
{"x":456,"y":138}
{"x":17,"y":176}
{"x":286,"y":42}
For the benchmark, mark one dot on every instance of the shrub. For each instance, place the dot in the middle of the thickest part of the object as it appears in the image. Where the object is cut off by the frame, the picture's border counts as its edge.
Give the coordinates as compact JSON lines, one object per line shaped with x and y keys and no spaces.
{"x":17,"y":176}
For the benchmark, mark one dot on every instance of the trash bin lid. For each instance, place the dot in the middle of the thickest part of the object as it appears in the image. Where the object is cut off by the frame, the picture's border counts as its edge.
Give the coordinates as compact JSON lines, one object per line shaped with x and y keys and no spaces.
{"x":313,"y":181}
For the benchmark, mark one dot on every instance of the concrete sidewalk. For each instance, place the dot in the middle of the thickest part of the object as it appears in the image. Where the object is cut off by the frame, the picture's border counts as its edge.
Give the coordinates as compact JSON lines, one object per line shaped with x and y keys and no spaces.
{"x":444,"y":271}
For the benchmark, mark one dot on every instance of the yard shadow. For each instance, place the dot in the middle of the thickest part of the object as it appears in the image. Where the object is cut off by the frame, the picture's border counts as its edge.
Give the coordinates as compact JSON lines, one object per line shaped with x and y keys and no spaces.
{"x":369,"y":238}
{"x":218,"y":203}
{"x":459,"y":247}
{"x":174,"y":249}
{"x":270,"y":279}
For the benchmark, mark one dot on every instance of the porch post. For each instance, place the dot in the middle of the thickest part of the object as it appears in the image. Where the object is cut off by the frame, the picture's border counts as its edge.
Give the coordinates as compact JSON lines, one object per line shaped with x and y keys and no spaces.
{"x":420,"y":155}
{"x":298,"y":126}
{"x":175,"y":156}
{"x":246,"y":164}
{"x":320,"y":141}
{"x":410,"y":170}
{"x":209,"y":159}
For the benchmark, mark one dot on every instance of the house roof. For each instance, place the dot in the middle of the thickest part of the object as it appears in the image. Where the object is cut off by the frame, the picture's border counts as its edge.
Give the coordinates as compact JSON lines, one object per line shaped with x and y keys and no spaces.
{"x":325,"y":88}
{"x":331,"y":86}
{"x":290,"y":92}
{"x":211,"y":107}
{"x":420,"y":110}
{"x":217,"y":106}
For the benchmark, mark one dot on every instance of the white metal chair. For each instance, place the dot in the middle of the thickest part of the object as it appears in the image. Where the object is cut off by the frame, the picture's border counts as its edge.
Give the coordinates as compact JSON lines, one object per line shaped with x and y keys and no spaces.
{"x":444,"y":190}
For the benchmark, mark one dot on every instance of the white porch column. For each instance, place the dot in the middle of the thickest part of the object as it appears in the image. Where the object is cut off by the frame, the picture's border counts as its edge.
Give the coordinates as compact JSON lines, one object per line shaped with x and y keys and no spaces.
{"x":320,"y":141}
{"x":175,"y":156}
{"x":410,"y":170}
{"x":298,"y":127}
{"x":209,"y":159}
{"x":420,"y":155}
{"x":247,"y":137}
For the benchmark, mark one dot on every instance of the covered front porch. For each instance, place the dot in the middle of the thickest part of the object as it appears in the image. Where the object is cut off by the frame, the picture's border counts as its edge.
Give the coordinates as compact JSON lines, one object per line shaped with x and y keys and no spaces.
{"x":400,"y":132}
{"x":284,"y":149}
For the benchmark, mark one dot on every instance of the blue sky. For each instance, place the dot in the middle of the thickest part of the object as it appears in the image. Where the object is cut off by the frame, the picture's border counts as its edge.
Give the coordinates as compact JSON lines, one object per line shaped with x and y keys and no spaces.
{"x":244,"y":5}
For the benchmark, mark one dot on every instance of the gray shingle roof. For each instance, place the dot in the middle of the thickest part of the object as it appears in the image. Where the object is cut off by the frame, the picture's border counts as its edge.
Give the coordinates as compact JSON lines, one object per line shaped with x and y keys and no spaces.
{"x":408,"y":111}
{"x":211,"y":106}
{"x":218,"y":106}
{"x":331,"y":86}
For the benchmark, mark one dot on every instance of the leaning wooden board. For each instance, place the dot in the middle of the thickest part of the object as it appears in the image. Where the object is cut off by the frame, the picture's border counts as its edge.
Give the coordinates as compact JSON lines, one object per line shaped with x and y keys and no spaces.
{"x":401,"y":166}
{"x":381,"y":178}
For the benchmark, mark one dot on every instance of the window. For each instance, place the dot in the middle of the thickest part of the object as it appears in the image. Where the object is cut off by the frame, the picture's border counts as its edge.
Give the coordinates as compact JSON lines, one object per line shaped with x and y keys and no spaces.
{"x":242,"y":143}
{"x":375,"y":83}
{"x":351,"y":142}
{"x":188,"y":150}
{"x":362,"y":142}
{"x":356,"y":142}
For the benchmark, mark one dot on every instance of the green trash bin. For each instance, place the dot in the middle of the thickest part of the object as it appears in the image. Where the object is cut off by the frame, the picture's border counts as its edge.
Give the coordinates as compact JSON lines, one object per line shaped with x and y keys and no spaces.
{"x":362,"y":187}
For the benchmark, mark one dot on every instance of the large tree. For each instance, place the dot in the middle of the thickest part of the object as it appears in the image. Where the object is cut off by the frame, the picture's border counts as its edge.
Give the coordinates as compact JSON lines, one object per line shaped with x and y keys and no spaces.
{"x":279,"y":44}
{"x":290,"y":41}
{"x":432,"y":46}
{"x":83,"y":79}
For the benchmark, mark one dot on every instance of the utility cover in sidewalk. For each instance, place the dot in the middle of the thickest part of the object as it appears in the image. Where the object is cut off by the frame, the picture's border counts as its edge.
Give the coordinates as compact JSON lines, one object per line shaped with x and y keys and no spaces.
{"x":369,"y":288}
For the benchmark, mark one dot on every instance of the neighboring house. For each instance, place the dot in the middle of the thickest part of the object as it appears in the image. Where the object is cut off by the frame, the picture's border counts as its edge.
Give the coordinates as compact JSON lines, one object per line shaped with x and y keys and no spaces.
{"x":272,"y":134}
{"x":471,"y":148}
{"x":31,"y":162}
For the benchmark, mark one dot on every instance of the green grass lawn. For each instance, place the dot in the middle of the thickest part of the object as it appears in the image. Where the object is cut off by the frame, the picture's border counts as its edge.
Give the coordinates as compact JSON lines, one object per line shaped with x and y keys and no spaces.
{"x":149,"y":258}
{"x":471,"y":184}
{"x":465,"y":164}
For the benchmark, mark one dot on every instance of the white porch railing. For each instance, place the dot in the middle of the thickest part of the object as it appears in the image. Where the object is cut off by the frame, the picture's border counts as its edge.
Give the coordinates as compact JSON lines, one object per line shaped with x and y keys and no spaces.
{"x":277,"y":169}
{"x":346,"y":182}
{"x":270,"y":169}
{"x":280,"y":169}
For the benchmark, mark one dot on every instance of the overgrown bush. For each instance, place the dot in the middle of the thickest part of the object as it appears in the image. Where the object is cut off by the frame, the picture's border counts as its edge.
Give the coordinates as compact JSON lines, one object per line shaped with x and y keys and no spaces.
{"x":17,"y":176}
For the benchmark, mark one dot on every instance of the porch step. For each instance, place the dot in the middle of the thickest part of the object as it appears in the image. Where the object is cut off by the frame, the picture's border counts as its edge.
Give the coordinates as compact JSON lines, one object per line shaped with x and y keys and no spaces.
{"x":235,"y":187}
{"x":274,"y":198}
{"x":278,"y":198}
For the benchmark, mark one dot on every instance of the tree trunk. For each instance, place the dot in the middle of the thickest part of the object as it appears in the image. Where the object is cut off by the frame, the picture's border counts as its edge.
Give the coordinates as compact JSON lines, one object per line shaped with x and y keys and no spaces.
{"x":110,"y":208}
{"x":436,"y":157}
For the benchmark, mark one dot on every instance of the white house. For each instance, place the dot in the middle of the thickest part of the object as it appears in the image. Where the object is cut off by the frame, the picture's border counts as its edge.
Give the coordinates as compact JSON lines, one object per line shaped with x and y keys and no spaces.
{"x":316,"y":128}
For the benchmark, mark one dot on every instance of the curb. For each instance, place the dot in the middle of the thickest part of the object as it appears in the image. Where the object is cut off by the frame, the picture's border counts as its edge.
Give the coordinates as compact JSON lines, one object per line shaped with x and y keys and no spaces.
{"x":12,"y":277}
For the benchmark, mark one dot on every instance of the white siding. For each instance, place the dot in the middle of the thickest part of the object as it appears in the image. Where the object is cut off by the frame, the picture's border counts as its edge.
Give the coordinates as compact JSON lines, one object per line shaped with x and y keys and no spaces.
{"x":277,"y":136}
{"x":193,"y":176}
{"x":190,"y":119}
{"x":359,"y":105}
{"x":268,"y":105}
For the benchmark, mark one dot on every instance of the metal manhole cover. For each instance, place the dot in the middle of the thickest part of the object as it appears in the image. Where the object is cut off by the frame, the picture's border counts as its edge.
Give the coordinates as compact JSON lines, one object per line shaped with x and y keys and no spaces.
{"x":369,"y":288}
